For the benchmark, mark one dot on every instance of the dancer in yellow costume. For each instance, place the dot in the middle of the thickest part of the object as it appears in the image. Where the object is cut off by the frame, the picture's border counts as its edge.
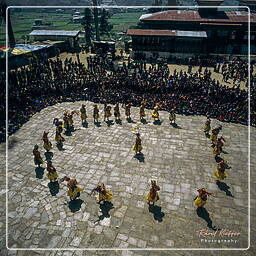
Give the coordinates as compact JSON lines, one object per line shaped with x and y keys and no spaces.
{"x":153,"y":195}
{"x":47,"y":143}
{"x":117,"y":112}
{"x":137,"y":147}
{"x":155,"y":113}
{"x":217,"y":149}
{"x":66,"y":122}
{"x":59,"y":124}
{"x":220,"y":171}
{"x":70,"y":118}
{"x":59,"y":139}
{"x":96,"y":113}
{"x":83,"y":114}
{"x":201,"y":199}
{"x":104,"y":194}
{"x":172,"y":116}
{"x":207,"y":126}
{"x":128,"y":110}
{"x":37,"y":156}
{"x":142,"y":111}
{"x":107,"y":112}
{"x":214,"y":135}
{"x":52,"y":173}
{"x":73,"y":189}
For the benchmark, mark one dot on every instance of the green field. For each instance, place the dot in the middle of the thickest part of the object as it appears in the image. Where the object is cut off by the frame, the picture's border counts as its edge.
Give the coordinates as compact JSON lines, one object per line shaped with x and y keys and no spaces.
{"x":22,"y":22}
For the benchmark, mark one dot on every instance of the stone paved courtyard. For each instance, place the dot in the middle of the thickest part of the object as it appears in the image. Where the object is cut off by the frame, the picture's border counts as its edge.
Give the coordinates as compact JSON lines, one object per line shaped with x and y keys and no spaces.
{"x":180,"y":157}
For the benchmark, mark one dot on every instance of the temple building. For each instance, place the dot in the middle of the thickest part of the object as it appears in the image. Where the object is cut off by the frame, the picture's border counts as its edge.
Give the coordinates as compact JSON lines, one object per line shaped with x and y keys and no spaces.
{"x":185,"y":33}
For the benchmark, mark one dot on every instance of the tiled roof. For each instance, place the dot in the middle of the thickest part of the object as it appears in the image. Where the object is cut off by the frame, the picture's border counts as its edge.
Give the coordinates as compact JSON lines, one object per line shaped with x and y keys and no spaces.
{"x":188,"y":15}
{"x":150,"y":32}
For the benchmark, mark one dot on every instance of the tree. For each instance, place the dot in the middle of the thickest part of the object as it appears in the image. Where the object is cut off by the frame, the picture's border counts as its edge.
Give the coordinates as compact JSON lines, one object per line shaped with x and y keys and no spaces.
{"x":105,"y":27}
{"x":87,"y":23}
{"x":96,"y":19}
{"x":155,"y":6}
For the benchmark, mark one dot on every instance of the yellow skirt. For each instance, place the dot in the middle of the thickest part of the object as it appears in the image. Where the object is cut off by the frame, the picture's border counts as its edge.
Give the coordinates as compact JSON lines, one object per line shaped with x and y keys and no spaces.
{"x":199,"y":202}
{"x":83,"y":116}
{"x":149,"y":198}
{"x":172,"y":118}
{"x":108,"y":114}
{"x":117,"y":114}
{"x":207,"y":128}
{"x":127,"y":112}
{"x":96,"y":116}
{"x":155,"y":115}
{"x":216,"y":151}
{"x":108,"y":196}
{"x":52,"y":176}
{"x":47,"y":146}
{"x":136,"y":150}
{"x":73,"y":194}
{"x":220,"y":175}
{"x":142,"y":114}
{"x":213,"y":137}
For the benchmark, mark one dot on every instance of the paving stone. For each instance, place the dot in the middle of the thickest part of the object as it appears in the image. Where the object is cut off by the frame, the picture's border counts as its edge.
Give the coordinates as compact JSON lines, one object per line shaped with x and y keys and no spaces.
{"x":30,"y":212}
{"x":122,"y":237}
{"x":142,"y":243}
{"x":169,"y":243}
{"x":180,"y":159}
{"x":132,"y":241}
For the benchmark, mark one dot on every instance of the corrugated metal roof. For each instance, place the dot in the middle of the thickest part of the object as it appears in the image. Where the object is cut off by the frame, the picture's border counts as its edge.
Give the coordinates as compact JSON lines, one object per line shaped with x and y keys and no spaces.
{"x":191,"y":33}
{"x":156,"y":32}
{"x":221,"y":24}
{"x":188,"y":15}
{"x":54,"y":33}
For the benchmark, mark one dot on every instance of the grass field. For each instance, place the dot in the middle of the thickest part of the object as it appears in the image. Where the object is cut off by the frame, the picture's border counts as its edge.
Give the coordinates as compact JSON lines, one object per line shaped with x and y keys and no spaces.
{"x":23,"y":21}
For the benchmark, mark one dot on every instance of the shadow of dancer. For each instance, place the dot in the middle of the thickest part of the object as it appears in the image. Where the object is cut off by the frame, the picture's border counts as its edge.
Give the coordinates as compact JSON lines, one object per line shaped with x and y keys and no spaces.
{"x":157,"y":122}
{"x":156,"y":210}
{"x":207,"y":135}
{"x":60,"y":147}
{"x":174,"y":125}
{"x":54,"y":188}
{"x":39,"y":172}
{"x":218,"y":159}
{"x":118,"y":121}
{"x":129,"y":120}
{"x":109,"y":123}
{"x":140,"y":157}
{"x":143,"y":121}
{"x":97,"y":123}
{"x":203,"y":213}
{"x":75,"y":205}
{"x":85,"y":124}
{"x":68,"y":132}
{"x":224,"y":187}
{"x":105,"y":208}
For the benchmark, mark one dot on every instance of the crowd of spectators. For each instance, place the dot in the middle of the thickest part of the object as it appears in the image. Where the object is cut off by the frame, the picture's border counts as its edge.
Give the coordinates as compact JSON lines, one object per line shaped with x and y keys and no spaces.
{"x":46,"y":82}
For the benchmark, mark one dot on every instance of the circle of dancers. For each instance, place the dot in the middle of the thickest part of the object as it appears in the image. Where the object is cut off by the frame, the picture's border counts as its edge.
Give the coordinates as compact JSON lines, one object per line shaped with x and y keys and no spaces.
{"x":104,"y":194}
{"x":217,"y":143}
